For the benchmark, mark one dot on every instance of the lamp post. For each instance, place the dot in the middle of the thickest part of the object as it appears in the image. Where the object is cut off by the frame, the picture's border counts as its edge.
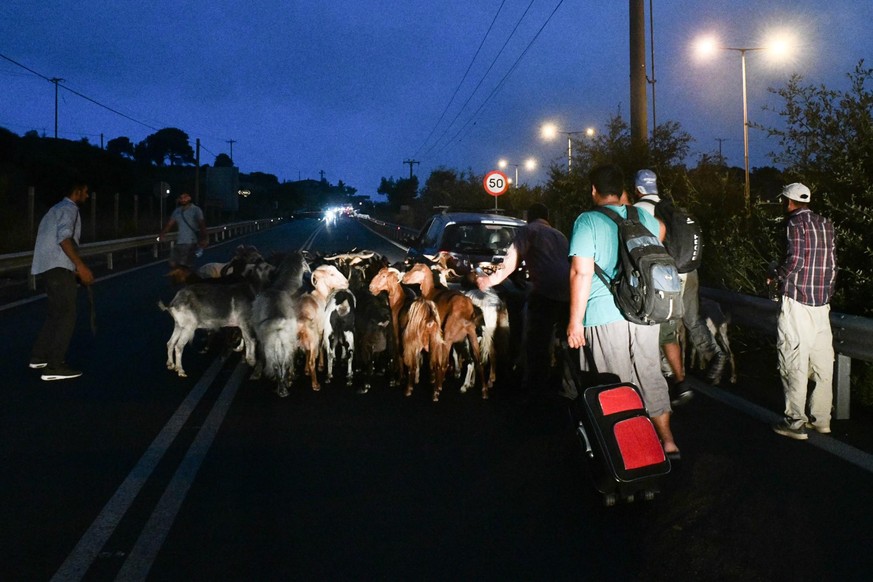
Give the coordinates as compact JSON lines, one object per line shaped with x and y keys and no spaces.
{"x":550,"y":131}
{"x":530,"y":165}
{"x":707,"y":47}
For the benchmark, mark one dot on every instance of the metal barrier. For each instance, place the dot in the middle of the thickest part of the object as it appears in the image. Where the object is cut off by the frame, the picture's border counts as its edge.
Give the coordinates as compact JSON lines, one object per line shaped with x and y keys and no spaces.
{"x":23,"y":260}
{"x":853,"y":336}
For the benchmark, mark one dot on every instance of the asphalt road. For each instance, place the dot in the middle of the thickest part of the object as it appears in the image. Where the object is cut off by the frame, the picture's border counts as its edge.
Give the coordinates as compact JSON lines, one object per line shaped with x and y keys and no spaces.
{"x":132,"y":473}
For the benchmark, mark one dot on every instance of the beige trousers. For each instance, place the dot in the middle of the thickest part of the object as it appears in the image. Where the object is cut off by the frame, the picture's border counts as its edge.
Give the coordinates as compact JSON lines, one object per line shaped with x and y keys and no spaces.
{"x":806,"y":352}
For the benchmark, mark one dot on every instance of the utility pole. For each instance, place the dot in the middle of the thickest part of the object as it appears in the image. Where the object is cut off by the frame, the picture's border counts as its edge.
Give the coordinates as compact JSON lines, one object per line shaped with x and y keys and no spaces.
{"x":321,"y":173}
{"x":411,"y":163}
{"x":652,"y":81}
{"x":720,"y":140}
{"x":638,"y":122}
{"x":231,"y":142}
{"x":197,"y":176}
{"x":56,"y":80}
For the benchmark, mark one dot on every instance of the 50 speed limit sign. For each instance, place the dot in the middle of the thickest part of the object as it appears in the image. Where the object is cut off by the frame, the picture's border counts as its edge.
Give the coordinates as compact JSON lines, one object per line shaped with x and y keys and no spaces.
{"x":495,"y":183}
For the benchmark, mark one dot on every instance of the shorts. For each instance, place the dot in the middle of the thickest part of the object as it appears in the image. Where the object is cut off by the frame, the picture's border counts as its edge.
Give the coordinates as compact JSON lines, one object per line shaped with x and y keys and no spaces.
{"x":668,"y":333}
{"x":182,"y":255}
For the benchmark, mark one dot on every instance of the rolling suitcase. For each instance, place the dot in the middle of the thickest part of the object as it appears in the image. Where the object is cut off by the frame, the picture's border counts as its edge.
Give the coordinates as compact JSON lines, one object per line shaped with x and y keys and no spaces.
{"x":624,"y":452}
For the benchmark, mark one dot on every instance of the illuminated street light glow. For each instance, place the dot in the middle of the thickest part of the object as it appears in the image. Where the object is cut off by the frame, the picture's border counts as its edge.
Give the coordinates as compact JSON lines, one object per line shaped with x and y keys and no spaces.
{"x":778,"y":46}
{"x":530,"y":165}
{"x":550,"y":131}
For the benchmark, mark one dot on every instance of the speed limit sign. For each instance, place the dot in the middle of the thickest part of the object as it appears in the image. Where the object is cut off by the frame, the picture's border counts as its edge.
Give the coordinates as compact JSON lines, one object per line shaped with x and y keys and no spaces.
{"x":495,"y":183}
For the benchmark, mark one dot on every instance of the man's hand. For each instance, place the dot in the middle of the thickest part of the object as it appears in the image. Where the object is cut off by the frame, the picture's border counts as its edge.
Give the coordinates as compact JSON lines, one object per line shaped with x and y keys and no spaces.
{"x":575,"y":335}
{"x":85,"y":275}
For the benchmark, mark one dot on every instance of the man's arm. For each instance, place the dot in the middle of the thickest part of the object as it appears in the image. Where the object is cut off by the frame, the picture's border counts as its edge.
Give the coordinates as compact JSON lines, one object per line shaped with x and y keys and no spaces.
{"x":170,"y":224}
{"x":204,"y":237}
{"x":581,"y":276}
{"x":510,"y":262}
{"x":795,"y":251}
{"x":85,"y":274}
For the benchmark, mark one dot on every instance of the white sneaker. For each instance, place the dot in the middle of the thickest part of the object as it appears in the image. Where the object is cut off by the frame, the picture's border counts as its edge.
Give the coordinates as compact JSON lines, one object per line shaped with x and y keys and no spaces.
{"x":818,"y":429}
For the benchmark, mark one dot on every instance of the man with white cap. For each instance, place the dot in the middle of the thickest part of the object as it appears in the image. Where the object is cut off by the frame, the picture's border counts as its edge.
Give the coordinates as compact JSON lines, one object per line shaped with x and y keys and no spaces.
{"x":804,"y":341}
{"x":646,"y":190}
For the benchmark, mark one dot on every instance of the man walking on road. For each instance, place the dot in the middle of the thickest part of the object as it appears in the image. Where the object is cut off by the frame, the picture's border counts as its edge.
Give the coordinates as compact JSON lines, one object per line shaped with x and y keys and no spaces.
{"x":56,"y":258}
{"x":192,"y":232}
{"x":618,"y":346}
{"x":804,"y":341}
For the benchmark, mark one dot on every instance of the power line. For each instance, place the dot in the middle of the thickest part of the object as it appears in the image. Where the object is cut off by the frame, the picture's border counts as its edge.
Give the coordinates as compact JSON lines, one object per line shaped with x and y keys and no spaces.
{"x":482,"y":79}
{"x":506,"y":76}
{"x":463,"y":78}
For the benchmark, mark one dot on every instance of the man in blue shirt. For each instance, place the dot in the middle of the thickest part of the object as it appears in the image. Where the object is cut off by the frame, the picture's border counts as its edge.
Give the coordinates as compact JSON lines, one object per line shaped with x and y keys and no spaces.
{"x":56,"y":258}
{"x":618,"y":346}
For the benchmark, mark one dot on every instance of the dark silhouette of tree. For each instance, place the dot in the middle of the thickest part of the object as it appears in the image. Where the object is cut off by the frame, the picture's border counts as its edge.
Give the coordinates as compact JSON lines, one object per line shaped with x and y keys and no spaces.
{"x":121,"y":146}
{"x":223,"y":161}
{"x":399,"y":192}
{"x":165,"y":144}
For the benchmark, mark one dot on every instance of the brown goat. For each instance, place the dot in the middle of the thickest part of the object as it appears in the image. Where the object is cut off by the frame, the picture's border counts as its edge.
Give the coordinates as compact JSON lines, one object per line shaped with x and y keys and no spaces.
{"x":457,"y":316}
{"x":388,"y":280}
{"x":423,"y":333}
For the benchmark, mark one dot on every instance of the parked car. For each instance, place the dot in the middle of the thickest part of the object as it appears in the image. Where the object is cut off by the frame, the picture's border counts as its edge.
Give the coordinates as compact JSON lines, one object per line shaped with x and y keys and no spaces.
{"x":472,"y":240}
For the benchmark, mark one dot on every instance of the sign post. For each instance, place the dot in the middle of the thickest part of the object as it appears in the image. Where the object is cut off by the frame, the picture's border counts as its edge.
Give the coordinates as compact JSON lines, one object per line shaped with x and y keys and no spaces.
{"x":495,"y":184}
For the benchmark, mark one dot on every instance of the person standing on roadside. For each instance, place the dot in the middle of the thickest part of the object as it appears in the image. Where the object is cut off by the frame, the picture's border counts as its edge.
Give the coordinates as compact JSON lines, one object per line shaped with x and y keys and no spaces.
{"x":192,"y":232}
{"x":803,"y":334}
{"x":544,"y":251}
{"x":56,"y":259}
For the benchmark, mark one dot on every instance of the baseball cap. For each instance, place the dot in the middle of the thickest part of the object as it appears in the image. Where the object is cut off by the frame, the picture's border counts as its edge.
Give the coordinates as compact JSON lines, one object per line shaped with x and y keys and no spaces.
{"x":797,"y":191}
{"x":646,"y":182}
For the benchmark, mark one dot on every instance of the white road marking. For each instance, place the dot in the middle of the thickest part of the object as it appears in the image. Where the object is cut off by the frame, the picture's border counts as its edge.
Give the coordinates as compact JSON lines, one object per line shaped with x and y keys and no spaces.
{"x":146,"y":549}
{"x":86,"y":551}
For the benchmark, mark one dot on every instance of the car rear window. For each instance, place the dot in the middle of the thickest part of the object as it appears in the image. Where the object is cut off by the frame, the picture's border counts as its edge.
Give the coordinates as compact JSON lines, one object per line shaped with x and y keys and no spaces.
{"x":477,"y":238}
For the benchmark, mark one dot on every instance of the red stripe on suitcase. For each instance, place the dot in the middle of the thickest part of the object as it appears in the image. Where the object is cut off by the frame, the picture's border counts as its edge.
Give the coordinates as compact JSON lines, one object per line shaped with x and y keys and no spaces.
{"x":638,"y":443}
{"x":619,"y":399}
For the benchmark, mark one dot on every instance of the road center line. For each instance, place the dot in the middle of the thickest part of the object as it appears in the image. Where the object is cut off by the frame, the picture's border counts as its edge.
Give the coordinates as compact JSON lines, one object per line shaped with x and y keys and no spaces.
{"x":146,"y":549}
{"x":89,"y":546}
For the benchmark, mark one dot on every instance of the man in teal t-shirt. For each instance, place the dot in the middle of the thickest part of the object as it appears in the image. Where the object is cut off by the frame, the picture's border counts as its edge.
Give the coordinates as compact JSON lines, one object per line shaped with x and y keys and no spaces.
{"x":628,"y":350}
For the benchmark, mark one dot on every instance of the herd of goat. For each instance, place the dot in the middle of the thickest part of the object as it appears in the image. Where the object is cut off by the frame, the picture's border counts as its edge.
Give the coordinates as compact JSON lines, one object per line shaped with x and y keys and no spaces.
{"x":303,"y":313}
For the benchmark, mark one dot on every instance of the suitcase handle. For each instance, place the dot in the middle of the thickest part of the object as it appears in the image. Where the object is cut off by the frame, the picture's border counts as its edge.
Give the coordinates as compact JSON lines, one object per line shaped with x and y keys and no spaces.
{"x":580,"y":430}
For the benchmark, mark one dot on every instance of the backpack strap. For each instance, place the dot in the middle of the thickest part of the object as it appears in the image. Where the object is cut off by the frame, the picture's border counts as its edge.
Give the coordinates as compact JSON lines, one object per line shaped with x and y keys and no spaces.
{"x":616,"y":218}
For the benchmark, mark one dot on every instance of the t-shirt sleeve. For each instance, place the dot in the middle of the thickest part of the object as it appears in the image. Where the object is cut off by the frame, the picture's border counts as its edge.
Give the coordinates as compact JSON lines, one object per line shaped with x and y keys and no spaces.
{"x":581,"y":239}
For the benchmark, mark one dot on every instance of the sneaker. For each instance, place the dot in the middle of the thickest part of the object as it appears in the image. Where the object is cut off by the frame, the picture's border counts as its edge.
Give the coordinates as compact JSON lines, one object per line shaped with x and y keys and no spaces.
{"x":680,"y":394}
{"x":61,"y":372}
{"x":818,"y":429}
{"x":787,"y":430}
{"x":716,"y":368}
{"x":37,"y":363}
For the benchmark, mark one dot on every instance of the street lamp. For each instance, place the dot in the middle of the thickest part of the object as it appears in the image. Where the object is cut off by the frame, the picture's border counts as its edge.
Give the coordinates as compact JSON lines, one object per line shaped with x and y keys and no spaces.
{"x":550,"y":131}
{"x":530,"y":165}
{"x":707,"y":47}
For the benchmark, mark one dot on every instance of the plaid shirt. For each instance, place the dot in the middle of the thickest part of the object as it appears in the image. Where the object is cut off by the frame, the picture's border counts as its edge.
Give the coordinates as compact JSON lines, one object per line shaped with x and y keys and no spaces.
{"x":810,"y":267}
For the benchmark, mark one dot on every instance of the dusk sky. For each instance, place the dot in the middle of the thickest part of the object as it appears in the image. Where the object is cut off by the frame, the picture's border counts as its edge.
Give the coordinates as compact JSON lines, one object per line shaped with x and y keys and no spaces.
{"x":355,"y":87}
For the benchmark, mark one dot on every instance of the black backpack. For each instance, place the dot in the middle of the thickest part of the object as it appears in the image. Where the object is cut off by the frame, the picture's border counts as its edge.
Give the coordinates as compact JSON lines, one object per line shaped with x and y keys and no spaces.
{"x":646,"y":286}
{"x":684,"y":240}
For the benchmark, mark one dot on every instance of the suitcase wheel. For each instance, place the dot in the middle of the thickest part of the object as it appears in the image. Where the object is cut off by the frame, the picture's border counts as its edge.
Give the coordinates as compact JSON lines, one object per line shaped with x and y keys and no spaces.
{"x":609,"y":499}
{"x":648,"y":495}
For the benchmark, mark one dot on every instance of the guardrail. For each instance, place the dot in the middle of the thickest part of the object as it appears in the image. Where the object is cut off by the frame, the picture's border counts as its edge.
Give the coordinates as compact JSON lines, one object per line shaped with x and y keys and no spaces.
{"x":108,"y":248}
{"x":395,"y":232}
{"x":853,"y":336}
